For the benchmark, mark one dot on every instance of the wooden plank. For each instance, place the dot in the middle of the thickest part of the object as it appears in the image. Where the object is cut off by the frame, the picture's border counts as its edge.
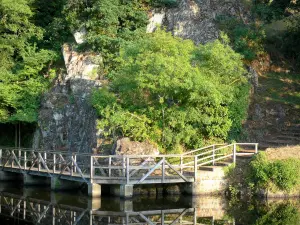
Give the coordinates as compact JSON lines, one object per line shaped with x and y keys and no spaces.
{"x":163,"y":170}
{"x":91,"y":168}
{"x":54,"y":162}
{"x":109,"y":165}
{"x":127,"y":170}
{"x":195,"y":167}
{"x":234,"y":153}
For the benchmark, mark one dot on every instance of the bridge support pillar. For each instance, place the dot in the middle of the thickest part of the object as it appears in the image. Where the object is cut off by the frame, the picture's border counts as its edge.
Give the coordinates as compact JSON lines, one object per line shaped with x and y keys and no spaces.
{"x":94,"y":190}
{"x":35,"y":180}
{"x":58,"y":184}
{"x":208,"y":182}
{"x":126,"y":205}
{"x":126,"y":190}
{"x":94,"y":203}
{"x":9,"y":176}
{"x":123,"y":190}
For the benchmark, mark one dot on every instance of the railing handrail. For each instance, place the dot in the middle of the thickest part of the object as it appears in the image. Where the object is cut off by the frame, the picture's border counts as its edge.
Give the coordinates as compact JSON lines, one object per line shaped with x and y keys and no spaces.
{"x":86,"y":164}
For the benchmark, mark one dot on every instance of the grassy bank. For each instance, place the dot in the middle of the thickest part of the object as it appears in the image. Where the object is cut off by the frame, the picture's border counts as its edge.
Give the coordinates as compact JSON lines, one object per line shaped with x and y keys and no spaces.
{"x":275,"y":171}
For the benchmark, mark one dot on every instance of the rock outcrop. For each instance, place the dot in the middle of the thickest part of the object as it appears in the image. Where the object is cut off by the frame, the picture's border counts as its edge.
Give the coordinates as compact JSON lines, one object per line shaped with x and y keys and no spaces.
{"x":67,"y":121}
{"x":126,"y":147}
{"x":196,"y":19}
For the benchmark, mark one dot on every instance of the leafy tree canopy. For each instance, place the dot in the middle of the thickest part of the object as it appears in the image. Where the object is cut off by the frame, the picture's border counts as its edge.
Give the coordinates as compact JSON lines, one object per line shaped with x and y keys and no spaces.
{"x":21,"y":62}
{"x":171,"y":92}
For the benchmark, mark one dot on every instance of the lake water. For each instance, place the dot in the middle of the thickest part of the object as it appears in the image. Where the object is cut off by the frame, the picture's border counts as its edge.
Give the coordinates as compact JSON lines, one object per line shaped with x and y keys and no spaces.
{"x":22,"y":206}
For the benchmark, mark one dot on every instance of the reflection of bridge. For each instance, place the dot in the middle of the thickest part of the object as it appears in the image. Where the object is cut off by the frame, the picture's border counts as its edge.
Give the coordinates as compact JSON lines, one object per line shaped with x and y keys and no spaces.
{"x":46,"y":212}
{"x":125,"y":170}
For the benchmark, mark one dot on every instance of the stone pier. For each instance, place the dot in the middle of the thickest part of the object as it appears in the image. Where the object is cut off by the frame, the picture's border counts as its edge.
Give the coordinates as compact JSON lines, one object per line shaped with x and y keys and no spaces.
{"x":208,"y":181}
{"x":94,"y":190}
{"x":94,"y":203}
{"x":123,"y":190}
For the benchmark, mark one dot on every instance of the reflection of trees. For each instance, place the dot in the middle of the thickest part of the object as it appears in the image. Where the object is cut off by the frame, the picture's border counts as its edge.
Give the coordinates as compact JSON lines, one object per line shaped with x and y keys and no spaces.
{"x":284,"y":213}
{"x":254,"y":212}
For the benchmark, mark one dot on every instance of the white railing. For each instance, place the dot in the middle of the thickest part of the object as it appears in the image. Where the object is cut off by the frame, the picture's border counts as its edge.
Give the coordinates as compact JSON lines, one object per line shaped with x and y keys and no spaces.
{"x":122,"y":169}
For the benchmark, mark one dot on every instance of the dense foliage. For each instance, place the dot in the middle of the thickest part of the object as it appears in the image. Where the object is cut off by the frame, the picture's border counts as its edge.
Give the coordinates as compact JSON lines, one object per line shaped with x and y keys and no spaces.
{"x":21,"y":62}
{"x":280,"y":174}
{"x":247,"y":39}
{"x":257,"y":212}
{"x":251,"y":39}
{"x":171,"y":92}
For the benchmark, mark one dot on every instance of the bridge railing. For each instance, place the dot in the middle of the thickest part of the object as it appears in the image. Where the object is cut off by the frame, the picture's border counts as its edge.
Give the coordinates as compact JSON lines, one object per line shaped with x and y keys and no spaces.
{"x":215,"y":153}
{"x":142,"y":168}
{"x":50,"y":162}
{"x":128,"y":169}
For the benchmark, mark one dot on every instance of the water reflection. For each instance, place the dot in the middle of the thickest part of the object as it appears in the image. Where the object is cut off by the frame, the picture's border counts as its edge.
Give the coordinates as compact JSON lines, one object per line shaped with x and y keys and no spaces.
{"x":41,"y":206}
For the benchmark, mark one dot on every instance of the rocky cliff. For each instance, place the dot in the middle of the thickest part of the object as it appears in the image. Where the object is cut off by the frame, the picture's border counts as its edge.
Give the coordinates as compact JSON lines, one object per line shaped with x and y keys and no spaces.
{"x":196,"y":19}
{"x":66,"y":120}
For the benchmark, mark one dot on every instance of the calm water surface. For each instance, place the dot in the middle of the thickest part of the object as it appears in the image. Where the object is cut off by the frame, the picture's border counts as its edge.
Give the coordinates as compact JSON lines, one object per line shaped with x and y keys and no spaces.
{"x":22,"y":206}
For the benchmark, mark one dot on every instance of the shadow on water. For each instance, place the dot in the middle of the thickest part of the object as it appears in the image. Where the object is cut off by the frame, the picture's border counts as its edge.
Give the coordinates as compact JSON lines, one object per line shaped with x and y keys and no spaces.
{"x":41,"y":206}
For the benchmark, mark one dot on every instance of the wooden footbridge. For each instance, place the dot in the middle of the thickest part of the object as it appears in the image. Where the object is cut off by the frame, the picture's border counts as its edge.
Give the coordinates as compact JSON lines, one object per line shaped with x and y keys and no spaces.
{"x":120,"y":169}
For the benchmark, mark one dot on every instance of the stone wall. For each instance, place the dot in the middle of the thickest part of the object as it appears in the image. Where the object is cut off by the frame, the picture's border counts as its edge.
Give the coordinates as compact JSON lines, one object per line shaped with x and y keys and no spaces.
{"x":208,"y":182}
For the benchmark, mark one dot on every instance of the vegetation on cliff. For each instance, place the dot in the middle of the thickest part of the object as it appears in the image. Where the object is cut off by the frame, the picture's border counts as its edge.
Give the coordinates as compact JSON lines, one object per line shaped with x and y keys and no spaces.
{"x":160,"y":88}
{"x":172,"y":92}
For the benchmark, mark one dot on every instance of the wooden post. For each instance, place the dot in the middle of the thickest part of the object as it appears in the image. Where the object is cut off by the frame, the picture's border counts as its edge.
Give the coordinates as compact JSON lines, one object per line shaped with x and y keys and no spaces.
{"x":39,"y":162}
{"x":195,"y":167}
{"x":12,"y":161}
{"x":0,"y":157}
{"x":92,"y":169}
{"x":163,"y":170}
{"x":25,"y":160}
{"x":256,"y":148}
{"x":213,"y":155}
{"x":181,"y":162}
{"x":75,"y":160}
{"x":45,"y":158}
{"x":109,"y":165}
{"x":19,"y":156}
{"x":54,"y":162}
{"x":59,"y":163}
{"x":123,"y":166}
{"x":234,"y":153}
{"x":72,"y":165}
{"x":127,"y":170}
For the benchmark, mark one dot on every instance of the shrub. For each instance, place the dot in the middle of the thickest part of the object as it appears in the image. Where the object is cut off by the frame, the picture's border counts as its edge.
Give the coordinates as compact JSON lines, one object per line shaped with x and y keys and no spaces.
{"x":284,"y":174}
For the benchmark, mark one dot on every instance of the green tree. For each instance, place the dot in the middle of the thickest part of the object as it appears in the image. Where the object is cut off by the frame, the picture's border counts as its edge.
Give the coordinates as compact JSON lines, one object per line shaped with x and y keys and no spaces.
{"x":22,"y":64}
{"x":108,"y":23}
{"x":177,"y":93}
